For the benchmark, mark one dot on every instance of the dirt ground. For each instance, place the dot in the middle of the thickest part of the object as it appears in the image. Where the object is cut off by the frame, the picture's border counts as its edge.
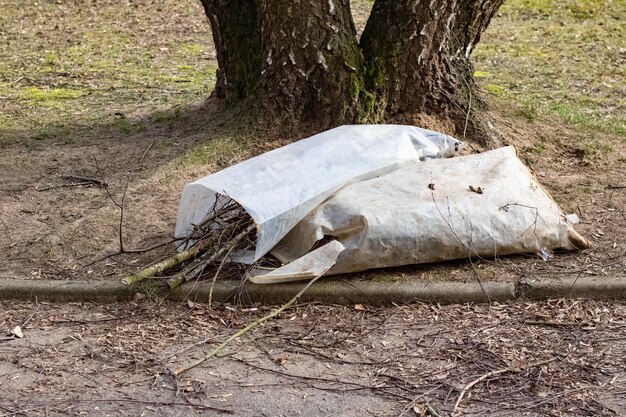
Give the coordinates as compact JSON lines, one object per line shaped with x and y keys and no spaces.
{"x":557,"y":358}
{"x":116,"y":92}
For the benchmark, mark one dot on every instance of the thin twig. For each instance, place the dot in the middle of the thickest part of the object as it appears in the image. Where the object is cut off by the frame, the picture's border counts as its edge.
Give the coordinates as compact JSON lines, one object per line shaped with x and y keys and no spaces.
{"x":231,"y":244}
{"x":555,"y":323}
{"x":179,"y":279}
{"x":135,"y":251}
{"x":469,"y":109}
{"x":74,"y":184}
{"x":143,"y":156}
{"x":213,"y":353}
{"x":219,"y":269}
{"x":121,"y":224}
{"x":31,"y":315}
{"x":102,"y":177}
{"x":213,"y":216}
{"x":124,"y":400}
{"x":94,"y":181}
{"x":489,"y":375}
{"x":120,"y":205}
{"x":413,"y":402}
{"x":358,"y":386}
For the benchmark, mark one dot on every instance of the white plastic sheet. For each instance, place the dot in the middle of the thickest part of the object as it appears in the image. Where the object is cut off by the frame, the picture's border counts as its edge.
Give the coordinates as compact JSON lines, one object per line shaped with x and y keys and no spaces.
{"x":427,"y":212}
{"x":279,"y":188}
{"x":314,"y":264}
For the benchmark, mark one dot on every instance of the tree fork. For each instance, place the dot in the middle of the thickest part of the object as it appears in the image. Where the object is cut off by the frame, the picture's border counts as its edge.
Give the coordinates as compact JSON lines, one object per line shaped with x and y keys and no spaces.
{"x":299,"y":61}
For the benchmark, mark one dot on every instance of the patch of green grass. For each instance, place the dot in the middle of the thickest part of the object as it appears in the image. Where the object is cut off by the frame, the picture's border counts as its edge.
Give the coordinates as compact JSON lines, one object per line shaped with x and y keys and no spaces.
{"x":53,"y":132}
{"x":99,"y":60}
{"x":495,"y":90}
{"x":49,"y":58}
{"x":538,"y":148}
{"x":162,"y":116}
{"x":128,"y":127}
{"x":191,"y":49}
{"x":542,"y":6}
{"x":149,"y":287}
{"x":562,"y":58}
{"x":529,"y":111}
{"x":586,"y":9}
{"x":164,"y":143}
{"x":51,"y":94}
{"x":582,"y":117}
{"x":482,"y":74}
{"x":220,"y":151}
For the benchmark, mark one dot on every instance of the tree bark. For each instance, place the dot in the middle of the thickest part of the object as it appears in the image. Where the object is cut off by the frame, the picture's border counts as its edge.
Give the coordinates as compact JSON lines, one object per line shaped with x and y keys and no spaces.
{"x":311,"y":60}
{"x":417,"y":56}
{"x":236,"y":35}
{"x":299,"y":61}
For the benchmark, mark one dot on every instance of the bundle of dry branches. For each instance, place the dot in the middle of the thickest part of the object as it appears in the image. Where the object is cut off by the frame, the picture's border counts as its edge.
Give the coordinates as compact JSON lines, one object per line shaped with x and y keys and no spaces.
{"x":226,"y":231}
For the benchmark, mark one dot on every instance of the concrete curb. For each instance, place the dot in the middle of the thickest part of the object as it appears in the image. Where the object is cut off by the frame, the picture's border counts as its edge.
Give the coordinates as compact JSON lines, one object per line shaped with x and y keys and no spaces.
{"x":346,"y":292}
{"x":54,"y":290}
{"x":327,"y":291}
{"x":596,"y":288}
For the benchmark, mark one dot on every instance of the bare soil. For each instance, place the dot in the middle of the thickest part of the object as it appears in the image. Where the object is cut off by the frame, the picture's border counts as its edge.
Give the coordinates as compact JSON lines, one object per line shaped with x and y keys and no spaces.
{"x":560,"y":358}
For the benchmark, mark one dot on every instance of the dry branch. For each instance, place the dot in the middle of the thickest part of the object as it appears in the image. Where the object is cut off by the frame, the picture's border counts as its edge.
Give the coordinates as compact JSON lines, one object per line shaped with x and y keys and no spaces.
{"x":226,"y":228}
{"x":215,"y":352}
{"x":222,"y":251}
{"x":79,"y":178}
{"x":166,"y":265}
{"x":489,"y":375}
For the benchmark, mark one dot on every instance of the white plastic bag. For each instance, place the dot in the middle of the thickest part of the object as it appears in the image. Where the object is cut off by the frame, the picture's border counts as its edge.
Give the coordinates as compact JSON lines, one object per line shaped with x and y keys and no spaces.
{"x":279,"y":188}
{"x":481,"y":205}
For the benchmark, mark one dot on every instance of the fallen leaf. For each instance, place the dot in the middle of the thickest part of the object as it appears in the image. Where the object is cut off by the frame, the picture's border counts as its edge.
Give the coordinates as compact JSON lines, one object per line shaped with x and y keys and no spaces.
{"x":139,"y":296}
{"x":17,"y":332}
{"x":419,"y":409}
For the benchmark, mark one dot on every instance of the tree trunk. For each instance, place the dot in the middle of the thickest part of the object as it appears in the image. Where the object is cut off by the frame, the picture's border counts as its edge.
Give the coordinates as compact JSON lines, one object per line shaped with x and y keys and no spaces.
{"x":311,"y":60}
{"x":235,"y":29}
{"x":299,"y":61}
{"x":417,"y":56}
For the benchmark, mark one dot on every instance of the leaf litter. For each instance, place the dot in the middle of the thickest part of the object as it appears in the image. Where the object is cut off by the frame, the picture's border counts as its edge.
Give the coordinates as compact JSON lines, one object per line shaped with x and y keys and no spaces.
{"x":553,"y":358}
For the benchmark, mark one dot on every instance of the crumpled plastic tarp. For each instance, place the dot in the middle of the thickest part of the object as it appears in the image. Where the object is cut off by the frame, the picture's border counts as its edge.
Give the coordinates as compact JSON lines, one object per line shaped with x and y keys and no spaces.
{"x":480,"y":205}
{"x":372,"y":196}
{"x":279,"y":188}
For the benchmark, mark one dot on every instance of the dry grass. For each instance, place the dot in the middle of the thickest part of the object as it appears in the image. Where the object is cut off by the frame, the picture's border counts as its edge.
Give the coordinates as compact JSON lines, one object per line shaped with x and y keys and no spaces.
{"x":67,"y":66}
{"x":564,"y":58}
